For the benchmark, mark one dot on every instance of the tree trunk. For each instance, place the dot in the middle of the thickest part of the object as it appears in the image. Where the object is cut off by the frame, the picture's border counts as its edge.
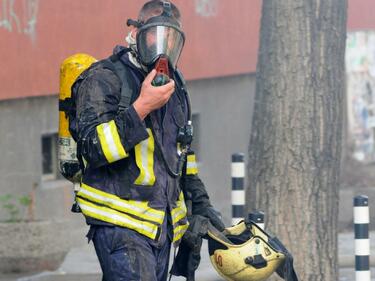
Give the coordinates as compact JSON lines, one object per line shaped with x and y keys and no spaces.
{"x":295,"y":144}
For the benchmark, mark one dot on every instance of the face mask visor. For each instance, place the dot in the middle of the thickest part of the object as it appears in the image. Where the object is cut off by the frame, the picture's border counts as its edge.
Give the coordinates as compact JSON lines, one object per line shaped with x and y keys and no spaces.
{"x":154,"y":41}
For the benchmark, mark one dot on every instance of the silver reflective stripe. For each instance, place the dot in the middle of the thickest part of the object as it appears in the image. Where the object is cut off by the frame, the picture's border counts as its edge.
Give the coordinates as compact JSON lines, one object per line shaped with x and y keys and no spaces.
{"x":119,"y":203}
{"x":178,"y":213}
{"x":115,"y":217}
{"x":110,"y":141}
{"x":179,"y":231}
{"x":191,"y":165}
{"x":144,"y":153}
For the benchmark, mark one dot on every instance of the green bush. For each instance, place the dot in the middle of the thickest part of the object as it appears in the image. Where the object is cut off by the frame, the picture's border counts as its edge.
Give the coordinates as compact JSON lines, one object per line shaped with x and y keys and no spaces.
{"x":15,"y":207}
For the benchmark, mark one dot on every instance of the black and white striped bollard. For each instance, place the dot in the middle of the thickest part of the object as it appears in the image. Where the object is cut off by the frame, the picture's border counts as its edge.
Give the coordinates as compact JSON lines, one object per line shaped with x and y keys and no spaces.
{"x":238,"y":191}
{"x":362,"y":241}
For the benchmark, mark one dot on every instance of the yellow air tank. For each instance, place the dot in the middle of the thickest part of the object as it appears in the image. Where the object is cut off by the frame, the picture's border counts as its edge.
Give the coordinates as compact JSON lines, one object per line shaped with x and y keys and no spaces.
{"x":70,"y":69}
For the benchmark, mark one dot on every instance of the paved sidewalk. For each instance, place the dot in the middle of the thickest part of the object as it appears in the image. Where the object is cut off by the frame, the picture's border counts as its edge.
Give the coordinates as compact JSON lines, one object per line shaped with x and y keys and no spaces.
{"x":81,"y":265}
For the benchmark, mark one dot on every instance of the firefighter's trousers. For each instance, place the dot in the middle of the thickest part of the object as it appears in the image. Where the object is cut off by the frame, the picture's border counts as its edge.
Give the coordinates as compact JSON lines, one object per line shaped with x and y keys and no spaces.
{"x":125,"y":255}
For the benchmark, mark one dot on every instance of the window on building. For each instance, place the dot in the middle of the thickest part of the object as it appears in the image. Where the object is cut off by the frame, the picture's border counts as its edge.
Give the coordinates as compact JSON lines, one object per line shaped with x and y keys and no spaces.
{"x":49,"y":156}
{"x":196,"y":142}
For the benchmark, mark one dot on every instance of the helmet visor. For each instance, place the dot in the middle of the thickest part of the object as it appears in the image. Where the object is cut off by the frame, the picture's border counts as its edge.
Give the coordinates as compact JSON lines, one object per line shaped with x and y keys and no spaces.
{"x":156,"y":40}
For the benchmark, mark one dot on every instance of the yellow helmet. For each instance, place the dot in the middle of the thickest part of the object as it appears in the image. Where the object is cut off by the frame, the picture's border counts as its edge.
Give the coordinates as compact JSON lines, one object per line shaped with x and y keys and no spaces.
{"x":245,"y":252}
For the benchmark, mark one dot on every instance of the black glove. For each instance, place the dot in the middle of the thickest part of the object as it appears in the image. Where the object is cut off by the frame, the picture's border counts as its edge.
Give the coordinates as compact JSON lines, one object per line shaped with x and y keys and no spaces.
{"x":200,"y":214}
{"x":188,"y":256}
{"x":213,"y":215}
{"x":195,"y":192}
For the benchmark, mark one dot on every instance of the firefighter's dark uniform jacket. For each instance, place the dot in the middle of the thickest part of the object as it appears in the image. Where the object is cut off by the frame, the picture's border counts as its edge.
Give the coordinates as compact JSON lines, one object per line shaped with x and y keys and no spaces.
{"x":125,"y":181}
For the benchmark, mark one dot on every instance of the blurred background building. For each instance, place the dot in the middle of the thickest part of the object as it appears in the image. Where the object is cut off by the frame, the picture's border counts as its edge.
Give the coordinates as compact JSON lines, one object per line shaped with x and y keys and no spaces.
{"x":219,"y":63}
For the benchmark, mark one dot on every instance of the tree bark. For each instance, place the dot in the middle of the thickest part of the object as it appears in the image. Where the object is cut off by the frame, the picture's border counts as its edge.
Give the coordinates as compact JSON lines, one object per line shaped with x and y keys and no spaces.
{"x":295,"y":144}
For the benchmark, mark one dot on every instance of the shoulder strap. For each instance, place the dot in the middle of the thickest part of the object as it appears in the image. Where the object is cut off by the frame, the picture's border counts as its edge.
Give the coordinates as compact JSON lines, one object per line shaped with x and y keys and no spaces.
{"x":122,"y":72}
{"x":127,"y":83}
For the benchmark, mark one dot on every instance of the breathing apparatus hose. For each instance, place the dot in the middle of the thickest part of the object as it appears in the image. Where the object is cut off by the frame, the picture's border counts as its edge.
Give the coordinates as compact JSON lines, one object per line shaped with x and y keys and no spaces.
{"x":185,"y":137}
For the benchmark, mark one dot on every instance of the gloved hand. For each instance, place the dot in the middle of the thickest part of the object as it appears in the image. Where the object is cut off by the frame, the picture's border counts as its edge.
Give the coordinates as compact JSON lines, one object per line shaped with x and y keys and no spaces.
{"x":188,"y":256}
{"x":212,"y":214}
{"x":200,"y":214}
{"x":195,"y":192}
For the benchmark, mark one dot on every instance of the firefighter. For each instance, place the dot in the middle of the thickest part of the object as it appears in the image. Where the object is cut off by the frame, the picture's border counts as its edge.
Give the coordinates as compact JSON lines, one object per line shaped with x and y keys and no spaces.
{"x":133,"y":139}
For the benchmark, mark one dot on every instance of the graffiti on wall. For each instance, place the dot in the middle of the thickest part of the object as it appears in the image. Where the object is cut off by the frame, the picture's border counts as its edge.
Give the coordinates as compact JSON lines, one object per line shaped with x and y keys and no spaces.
{"x":19,"y":16}
{"x":206,"y":8}
{"x":360,"y":67}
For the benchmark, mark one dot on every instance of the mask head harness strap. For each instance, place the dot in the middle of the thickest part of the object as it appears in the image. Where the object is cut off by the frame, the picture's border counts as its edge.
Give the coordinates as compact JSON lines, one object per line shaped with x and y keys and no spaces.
{"x":135,"y":23}
{"x":165,"y":16}
{"x":167,"y":9}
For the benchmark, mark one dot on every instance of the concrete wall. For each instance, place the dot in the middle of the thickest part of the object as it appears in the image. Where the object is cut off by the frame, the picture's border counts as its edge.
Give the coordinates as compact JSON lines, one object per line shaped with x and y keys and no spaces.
{"x":23,"y":122}
{"x":225,"y":106}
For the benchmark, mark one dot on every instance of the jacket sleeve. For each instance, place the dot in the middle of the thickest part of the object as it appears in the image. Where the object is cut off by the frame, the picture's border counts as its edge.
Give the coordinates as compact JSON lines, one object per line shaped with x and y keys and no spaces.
{"x":196,"y":195}
{"x":192,"y":185}
{"x":105,"y":134}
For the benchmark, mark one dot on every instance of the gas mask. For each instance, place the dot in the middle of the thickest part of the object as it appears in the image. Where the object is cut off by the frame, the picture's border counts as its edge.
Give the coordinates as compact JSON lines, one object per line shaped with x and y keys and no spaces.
{"x":159,"y":42}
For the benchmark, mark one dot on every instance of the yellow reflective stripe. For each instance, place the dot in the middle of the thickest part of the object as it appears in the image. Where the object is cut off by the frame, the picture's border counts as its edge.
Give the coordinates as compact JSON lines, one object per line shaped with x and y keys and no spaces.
{"x":111,"y":216}
{"x":178,"y":215}
{"x":117,"y":141}
{"x":191,"y":165}
{"x":191,"y":158}
{"x":137,"y":208}
{"x":144,"y":156}
{"x":180,"y":211}
{"x":179,"y":231}
{"x":110,"y":142}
